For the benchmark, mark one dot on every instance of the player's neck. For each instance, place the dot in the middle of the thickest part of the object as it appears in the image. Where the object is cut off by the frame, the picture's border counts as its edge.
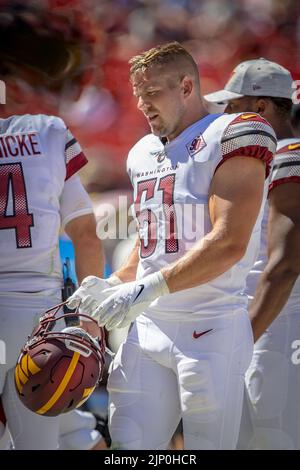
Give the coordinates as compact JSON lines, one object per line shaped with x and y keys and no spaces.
{"x":197,"y":112}
{"x":283,"y":129}
{"x":193,"y":115}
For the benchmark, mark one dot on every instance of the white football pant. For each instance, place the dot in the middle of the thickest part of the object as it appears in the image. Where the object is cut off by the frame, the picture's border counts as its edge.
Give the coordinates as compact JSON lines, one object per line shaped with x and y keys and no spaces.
{"x":162,"y":373}
{"x":273,"y":385}
{"x":19,"y":313}
{"x":77,"y":431}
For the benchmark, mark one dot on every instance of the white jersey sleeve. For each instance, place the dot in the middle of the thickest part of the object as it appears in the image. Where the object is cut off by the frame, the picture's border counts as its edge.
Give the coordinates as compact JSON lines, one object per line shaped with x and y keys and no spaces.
{"x":286,"y":169}
{"x":249,"y":135}
{"x":74,"y":156}
{"x":37,"y":155}
{"x":286,"y":164}
{"x":74,"y":201}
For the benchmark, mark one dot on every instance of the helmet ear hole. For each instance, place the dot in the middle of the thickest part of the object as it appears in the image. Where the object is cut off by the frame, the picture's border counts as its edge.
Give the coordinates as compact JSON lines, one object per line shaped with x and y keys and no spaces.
{"x":53,"y":378}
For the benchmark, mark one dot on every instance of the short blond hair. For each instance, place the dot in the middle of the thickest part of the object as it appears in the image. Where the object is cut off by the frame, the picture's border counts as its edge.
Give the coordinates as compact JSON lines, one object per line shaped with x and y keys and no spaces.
{"x":170,"y":54}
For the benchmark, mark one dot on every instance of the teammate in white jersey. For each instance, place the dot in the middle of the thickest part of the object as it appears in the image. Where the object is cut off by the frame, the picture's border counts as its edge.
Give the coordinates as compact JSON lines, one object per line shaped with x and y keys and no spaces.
{"x":40,"y":192}
{"x":273,"y":378}
{"x":194,"y":178}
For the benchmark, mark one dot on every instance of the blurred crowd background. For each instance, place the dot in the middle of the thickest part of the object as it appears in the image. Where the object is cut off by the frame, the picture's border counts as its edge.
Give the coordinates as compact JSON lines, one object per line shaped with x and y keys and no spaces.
{"x":70,"y":57}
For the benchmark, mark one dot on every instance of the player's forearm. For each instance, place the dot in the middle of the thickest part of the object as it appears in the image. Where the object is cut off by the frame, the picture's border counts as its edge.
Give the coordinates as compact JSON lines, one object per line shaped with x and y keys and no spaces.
{"x":89,"y":254}
{"x":272,"y":292}
{"x":127,"y":272}
{"x":211,"y":257}
{"x":89,"y":259}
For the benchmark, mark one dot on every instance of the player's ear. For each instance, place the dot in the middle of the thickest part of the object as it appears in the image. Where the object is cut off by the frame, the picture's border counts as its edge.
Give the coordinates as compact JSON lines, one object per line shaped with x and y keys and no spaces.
{"x":187,"y":86}
{"x":261,"y":106}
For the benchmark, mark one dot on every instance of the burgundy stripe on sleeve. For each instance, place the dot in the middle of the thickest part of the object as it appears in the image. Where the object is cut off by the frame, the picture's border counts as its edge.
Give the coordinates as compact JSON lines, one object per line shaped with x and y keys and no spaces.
{"x":76,"y":164}
{"x":288,"y":179}
{"x":254,"y":151}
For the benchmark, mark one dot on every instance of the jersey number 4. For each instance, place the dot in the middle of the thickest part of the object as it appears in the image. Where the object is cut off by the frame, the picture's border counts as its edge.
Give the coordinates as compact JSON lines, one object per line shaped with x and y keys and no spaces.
{"x":12,"y":181}
{"x":146,"y":216}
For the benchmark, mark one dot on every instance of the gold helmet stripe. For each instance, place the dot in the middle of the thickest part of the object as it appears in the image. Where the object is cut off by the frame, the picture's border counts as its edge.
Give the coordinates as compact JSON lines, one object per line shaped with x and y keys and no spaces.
{"x":62,"y":386}
{"x":32,"y":367}
{"x":18,"y":383}
{"x":86,"y":393}
{"x":23,"y":377}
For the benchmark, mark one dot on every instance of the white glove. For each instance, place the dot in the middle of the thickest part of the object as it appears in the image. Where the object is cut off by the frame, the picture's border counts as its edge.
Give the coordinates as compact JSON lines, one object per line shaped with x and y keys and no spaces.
{"x":90,"y":293}
{"x":127,"y":301}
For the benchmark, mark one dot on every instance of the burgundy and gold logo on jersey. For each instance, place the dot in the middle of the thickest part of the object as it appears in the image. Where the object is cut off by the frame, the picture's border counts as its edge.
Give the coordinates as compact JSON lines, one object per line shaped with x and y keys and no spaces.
{"x":294,"y":146}
{"x":288,"y":148}
{"x":248,"y":116}
{"x":197,"y":144}
{"x":160,"y":155}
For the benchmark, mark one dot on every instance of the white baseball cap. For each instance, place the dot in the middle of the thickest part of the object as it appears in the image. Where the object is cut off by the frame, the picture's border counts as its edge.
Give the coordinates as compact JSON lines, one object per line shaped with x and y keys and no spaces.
{"x":258,"y":77}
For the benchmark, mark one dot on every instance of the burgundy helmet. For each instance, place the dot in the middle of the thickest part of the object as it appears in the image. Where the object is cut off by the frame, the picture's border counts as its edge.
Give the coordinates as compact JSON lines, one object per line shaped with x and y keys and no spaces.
{"x":58,"y":370}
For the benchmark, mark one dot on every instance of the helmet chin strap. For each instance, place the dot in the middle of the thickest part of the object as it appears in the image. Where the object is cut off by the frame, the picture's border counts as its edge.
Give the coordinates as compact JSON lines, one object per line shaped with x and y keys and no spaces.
{"x":47,"y":323}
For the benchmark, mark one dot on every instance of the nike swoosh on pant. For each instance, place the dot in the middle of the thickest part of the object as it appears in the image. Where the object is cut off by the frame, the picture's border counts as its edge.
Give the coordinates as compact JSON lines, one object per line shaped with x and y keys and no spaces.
{"x":197,"y":335}
{"x":140,"y":291}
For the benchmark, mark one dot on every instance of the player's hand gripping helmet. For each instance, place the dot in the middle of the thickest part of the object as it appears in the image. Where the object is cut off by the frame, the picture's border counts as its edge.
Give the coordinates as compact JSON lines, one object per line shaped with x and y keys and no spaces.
{"x":58,"y":370}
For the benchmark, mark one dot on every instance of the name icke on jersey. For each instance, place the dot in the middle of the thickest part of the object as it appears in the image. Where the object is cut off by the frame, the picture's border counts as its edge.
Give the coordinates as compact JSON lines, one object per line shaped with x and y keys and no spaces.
{"x":20,"y":145}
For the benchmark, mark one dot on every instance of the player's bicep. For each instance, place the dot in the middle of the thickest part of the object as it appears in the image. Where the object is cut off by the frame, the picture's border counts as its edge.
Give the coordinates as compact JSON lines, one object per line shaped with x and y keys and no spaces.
{"x":236,"y":195}
{"x":284,"y":223}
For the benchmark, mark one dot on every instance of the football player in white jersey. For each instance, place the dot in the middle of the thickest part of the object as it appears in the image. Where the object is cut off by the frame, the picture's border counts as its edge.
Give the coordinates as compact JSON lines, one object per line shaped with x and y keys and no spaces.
{"x":273,"y":378}
{"x":198,"y":184}
{"x":40,"y":192}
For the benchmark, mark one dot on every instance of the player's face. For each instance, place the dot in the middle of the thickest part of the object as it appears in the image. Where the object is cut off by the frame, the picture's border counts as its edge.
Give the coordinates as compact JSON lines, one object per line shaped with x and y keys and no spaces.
{"x":241,"y":105}
{"x":161,"y":100}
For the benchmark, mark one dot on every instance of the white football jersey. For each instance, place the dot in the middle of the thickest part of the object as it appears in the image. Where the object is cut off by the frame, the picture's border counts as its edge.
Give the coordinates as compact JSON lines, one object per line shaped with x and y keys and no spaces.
{"x":286,"y":168}
{"x":37,"y":154}
{"x":171,"y":184}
